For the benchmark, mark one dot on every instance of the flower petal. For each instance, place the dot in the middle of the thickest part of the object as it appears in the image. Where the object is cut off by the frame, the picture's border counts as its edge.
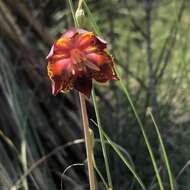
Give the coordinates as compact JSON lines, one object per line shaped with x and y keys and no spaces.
{"x":83,"y":84}
{"x":62,"y":46}
{"x":50,"y":53}
{"x":57,"y":57}
{"x":58,"y":67}
{"x":86,"y":39}
{"x":106,"y":73}
{"x":72,"y":32}
{"x":56,"y":85}
{"x":100,"y":43}
{"x":105,"y":64}
{"x":91,"y":65}
{"x":101,"y":40}
{"x":62,"y":83}
{"x":88,"y":42}
{"x":99,"y":58}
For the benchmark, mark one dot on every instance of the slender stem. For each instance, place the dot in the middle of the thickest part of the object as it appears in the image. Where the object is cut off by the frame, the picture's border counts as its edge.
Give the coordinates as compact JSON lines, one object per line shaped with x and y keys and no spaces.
{"x":87,"y":137}
{"x":165,"y":157}
{"x":24,"y":161}
{"x":73,"y":14}
{"x":101,"y":176}
{"x":102,"y":140}
{"x":80,"y":4}
{"x":125,"y":90}
{"x":88,"y":142}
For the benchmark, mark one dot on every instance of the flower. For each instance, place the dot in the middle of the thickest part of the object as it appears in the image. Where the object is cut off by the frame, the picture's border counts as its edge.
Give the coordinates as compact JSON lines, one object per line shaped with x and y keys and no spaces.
{"x":76,"y":58}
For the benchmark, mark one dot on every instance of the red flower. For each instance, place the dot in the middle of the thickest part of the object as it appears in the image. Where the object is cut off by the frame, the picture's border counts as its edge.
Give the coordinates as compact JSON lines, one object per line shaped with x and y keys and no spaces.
{"x":75,"y":59}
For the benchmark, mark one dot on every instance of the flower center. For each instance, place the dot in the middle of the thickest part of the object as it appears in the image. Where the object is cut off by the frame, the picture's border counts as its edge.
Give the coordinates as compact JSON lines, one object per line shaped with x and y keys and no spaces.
{"x":76,"y":56}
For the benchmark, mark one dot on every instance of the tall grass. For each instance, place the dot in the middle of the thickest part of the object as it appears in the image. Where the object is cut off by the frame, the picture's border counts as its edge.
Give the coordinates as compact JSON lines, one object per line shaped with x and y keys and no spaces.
{"x":124,"y":89}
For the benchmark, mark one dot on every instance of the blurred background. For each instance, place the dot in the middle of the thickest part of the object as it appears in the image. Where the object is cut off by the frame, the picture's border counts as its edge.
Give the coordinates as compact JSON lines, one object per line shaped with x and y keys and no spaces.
{"x":150,"y":41}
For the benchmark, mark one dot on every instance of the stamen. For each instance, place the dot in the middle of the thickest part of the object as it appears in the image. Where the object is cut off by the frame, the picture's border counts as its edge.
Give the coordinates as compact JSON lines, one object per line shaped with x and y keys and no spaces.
{"x":91,"y":65}
{"x":73,"y":72}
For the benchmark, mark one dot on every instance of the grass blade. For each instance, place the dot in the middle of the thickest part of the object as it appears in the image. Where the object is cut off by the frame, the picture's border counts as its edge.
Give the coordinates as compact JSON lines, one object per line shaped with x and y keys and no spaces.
{"x":165,"y":157}
{"x":70,"y":3}
{"x":102,"y":140}
{"x":124,"y":160}
{"x":124,"y":89}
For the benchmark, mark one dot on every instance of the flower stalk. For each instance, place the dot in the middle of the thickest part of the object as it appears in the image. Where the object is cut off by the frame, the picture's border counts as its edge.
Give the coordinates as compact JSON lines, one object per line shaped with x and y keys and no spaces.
{"x":88,"y":142}
{"x":76,"y":59}
{"x":87,"y":135}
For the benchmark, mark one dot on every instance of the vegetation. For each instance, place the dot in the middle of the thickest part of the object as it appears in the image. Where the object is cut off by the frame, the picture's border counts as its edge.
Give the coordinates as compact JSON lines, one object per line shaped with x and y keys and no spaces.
{"x":141,"y":121}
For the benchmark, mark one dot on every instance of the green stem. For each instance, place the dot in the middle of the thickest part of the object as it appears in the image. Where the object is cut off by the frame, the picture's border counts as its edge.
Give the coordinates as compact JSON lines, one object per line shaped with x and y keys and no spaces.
{"x":124,"y":160}
{"x":102,"y":140}
{"x":101,"y":176}
{"x":163,"y":151}
{"x":80,"y":4}
{"x":87,"y":137}
{"x":160,"y":183}
{"x":73,"y":13}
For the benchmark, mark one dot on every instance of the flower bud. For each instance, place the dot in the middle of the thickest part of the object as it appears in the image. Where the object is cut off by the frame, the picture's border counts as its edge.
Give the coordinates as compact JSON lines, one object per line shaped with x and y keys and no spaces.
{"x":80,"y":16}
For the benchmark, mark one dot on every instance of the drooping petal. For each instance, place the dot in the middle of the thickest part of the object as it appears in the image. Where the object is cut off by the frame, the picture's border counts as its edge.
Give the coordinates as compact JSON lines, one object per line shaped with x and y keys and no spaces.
{"x":56,"y":85}
{"x":60,"y":73}
{"x":106,"y":68}
{"x":101,"y":40}
{"x":100,"y":43}
{"x":85,"y":40}
{"x":88,"y":42}
{"x":58,"y":67}
{"x":99,"y":58}
{"x":50,"y":53}
{"x":83,"y":84}
{"x":106,"y":73}
{"x":57,"y":57}
{"x":62,"y":83}
{"x":62,"y":46}
{"x":91,"y":65}
{"x":72,"y":32}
